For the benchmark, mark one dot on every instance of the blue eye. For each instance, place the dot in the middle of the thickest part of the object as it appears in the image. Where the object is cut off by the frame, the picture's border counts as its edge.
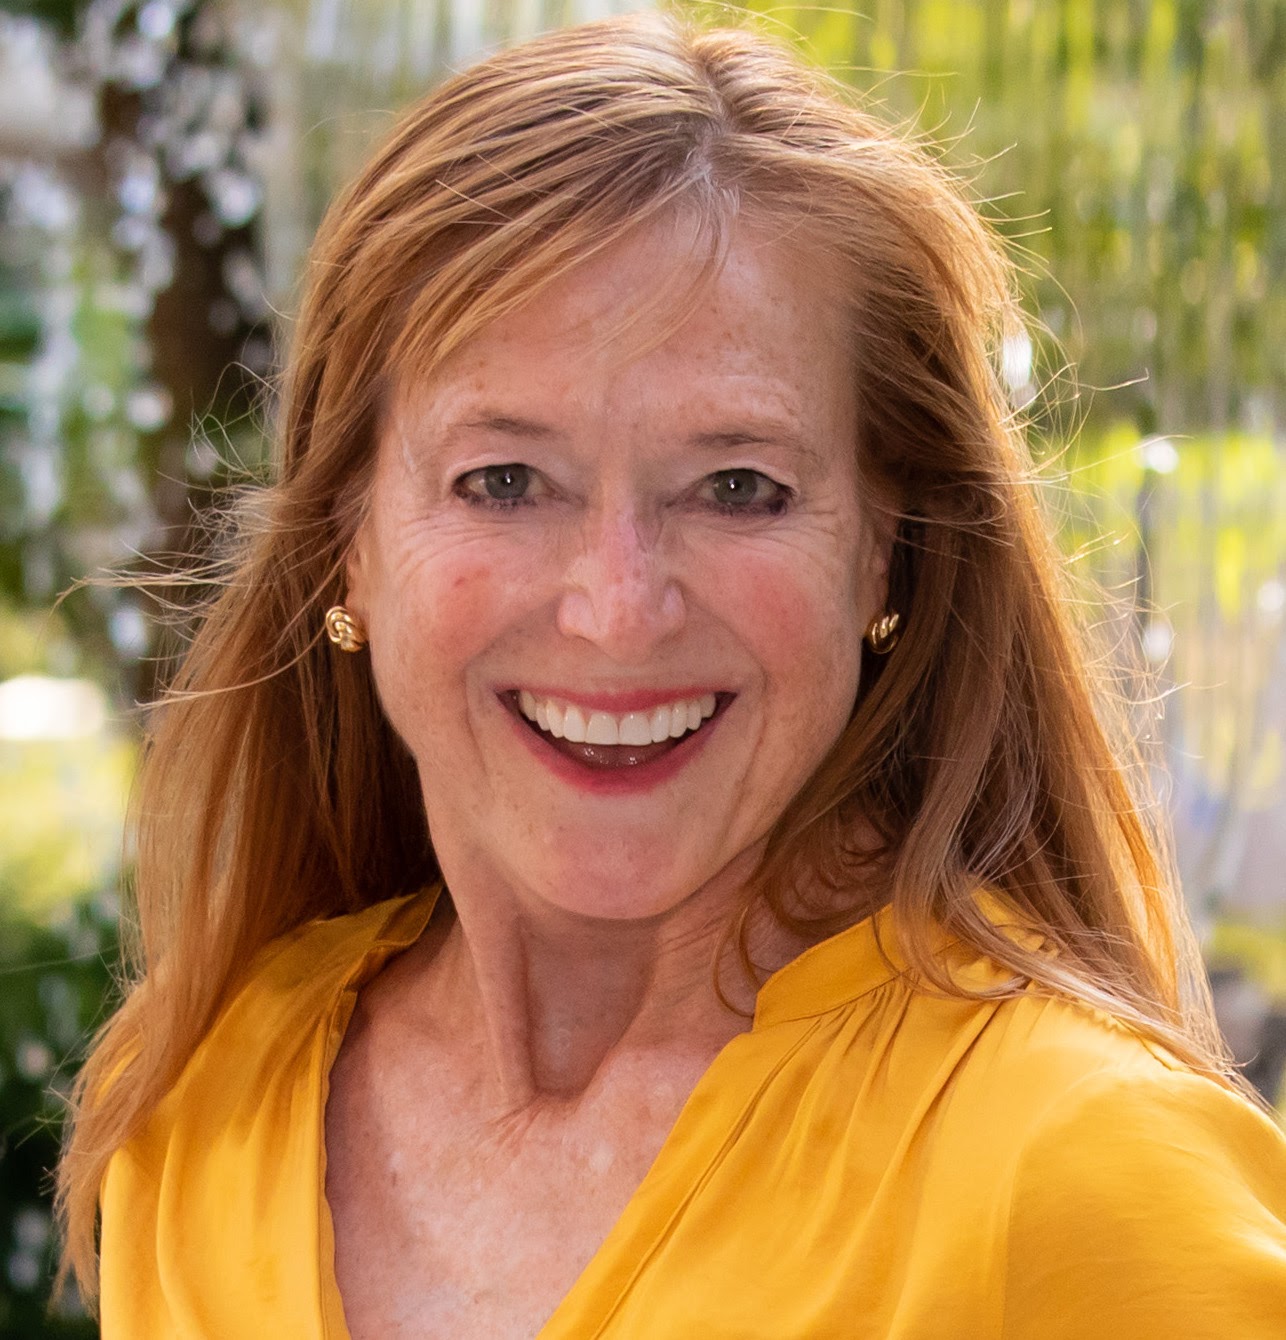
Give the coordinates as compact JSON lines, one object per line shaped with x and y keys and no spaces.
{"x":746,"y":491}
{"x":496,"y":485}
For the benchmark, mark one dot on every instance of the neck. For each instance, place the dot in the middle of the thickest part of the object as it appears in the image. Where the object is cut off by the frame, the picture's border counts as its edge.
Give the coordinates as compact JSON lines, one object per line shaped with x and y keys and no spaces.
{"x":561,"y":996}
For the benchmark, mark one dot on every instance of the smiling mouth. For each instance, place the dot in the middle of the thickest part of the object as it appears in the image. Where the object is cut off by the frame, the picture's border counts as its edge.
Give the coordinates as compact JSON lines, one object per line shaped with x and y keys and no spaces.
{"x":610,"y":740}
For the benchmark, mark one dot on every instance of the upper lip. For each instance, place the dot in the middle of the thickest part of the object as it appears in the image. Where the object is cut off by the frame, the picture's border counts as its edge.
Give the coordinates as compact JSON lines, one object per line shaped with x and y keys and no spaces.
{"x":621,"y":700}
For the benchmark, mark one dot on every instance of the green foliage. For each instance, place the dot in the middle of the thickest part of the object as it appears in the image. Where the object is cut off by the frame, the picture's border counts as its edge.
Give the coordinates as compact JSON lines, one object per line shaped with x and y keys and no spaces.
{"x":1136,"y":151}
{"x":54,"y":982}
{"x":74,"y":479}
{"x":131,"y":303}
{"x":19,"y":331}
{"x":34,"y":642}
{"x":64,"y":803}
{"x":1260,"y":951}
{"x":1200,"y":549}
{"x":62,"y":15}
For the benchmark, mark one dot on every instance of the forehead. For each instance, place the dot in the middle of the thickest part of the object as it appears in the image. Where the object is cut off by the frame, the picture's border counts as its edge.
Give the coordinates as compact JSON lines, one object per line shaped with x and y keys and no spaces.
{"x":657,"y":314}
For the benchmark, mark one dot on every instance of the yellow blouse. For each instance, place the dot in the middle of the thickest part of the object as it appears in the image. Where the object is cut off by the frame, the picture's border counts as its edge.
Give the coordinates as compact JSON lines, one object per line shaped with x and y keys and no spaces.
{"x":869,"y":1161}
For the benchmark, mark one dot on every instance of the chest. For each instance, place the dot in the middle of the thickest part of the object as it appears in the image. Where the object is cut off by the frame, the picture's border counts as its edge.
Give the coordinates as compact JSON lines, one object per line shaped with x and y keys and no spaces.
{"x":450,"y":1220}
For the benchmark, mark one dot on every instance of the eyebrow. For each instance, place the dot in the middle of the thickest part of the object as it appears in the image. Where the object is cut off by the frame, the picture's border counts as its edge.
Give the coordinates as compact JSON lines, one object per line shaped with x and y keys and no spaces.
{"x":505,"y":424}
{"x":774,"y":436}
{"x":513,"y":426}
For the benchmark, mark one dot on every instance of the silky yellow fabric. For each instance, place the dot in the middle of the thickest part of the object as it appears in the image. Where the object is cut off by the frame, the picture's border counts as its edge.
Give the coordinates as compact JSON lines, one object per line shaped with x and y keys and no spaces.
{"x":870,"y":1160}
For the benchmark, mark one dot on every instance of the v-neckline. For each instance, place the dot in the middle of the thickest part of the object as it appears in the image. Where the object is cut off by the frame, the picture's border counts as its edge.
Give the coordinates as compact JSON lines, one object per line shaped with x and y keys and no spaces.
{"x":809,"y":985}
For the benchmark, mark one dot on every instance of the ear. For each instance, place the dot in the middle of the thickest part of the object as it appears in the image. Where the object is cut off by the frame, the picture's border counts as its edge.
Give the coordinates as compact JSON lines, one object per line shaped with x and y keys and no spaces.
{"x":877,"y":554}
{"x":357,"y":574}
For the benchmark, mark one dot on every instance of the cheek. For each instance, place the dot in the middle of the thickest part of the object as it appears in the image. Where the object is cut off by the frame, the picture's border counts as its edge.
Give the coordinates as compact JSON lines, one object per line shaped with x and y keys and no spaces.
{"x":789,"y":612}
{"x":464,"y":597}
{"x":800,"y":621}
{"x":438,"y":610}
{"x":436,"y":614}
{"x":447,"y":593}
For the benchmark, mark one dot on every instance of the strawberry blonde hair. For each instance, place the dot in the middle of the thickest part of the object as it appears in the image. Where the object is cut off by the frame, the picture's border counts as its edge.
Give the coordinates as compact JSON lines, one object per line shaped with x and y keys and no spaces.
{"x":982,"y":751}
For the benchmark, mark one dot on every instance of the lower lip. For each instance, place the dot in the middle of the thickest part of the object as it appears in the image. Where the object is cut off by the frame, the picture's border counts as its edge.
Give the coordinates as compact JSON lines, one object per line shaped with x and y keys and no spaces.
{"x":614,"y":781}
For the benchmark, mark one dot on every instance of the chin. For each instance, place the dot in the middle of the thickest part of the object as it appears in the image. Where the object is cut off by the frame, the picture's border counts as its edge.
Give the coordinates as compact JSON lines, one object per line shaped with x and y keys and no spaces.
{"x":614,"y":885}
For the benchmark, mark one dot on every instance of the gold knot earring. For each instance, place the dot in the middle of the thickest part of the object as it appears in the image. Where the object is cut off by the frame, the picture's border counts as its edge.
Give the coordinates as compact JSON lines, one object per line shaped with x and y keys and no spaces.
{"x":344,"y":630}
{"x":882,"y":634}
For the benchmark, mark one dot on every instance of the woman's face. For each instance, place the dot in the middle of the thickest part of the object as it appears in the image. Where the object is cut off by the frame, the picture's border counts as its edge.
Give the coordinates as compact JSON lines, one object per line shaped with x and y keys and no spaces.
{"x":658,"y":551}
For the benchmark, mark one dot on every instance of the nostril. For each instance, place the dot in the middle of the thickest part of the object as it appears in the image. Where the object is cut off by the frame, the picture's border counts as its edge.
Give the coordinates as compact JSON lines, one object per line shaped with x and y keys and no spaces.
{"x":626,"y":615}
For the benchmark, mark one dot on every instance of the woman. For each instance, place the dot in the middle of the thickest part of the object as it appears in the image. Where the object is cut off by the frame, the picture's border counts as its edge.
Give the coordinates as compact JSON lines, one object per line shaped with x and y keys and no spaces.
{"x":694,"y":889}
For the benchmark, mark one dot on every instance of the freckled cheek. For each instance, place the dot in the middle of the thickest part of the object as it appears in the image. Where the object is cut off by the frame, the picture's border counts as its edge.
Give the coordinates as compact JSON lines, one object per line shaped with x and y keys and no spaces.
{"x":800,"y":623}
{"x":440,"y":616}
{"x":478,"y":609}
{"x":461,"y":603}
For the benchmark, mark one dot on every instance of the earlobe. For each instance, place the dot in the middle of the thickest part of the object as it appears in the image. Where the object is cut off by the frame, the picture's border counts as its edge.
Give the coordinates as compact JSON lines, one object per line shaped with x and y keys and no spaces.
{"x":885,"y":627}
{"x":345,"y":623}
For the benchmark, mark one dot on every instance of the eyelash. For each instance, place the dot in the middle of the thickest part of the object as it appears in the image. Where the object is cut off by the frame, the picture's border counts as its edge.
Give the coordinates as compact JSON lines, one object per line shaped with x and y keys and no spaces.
{"x":779,"y":502}
{"x":462,"y":490}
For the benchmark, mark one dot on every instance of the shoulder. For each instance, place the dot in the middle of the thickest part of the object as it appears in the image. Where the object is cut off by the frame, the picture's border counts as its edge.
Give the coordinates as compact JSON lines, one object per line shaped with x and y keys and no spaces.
{"x":320,"y":956}
{"x":1144,"y":1197}
{"x":211,"y":1209}
{"x":1127,"y":1194}
{"x":1091,"y":1102}
{"x":296,"y":984}
{"x":1116,"y":1124}
{"x":274,"y":1037}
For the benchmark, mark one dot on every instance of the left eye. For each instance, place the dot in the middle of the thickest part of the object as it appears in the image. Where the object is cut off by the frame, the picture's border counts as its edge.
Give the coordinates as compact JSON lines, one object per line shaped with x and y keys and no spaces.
{"x":745,"y":491}
{"x":497,"y":484}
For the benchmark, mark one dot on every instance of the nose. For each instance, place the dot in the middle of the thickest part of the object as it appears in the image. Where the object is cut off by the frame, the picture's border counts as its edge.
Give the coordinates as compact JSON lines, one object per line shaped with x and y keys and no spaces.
{"x":618,"y":591}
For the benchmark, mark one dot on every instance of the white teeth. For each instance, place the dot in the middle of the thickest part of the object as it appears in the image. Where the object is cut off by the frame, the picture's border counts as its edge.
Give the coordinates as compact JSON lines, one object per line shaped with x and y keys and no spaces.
{"x":602,"y":729}
{"x":671,"y":721}
{"x":574,"y":726}
{"x":635,"y":728}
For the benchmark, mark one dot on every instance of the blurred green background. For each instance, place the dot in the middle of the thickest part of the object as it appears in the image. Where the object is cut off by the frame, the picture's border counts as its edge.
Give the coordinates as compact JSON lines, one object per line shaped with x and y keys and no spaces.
{"x":161,"y":167}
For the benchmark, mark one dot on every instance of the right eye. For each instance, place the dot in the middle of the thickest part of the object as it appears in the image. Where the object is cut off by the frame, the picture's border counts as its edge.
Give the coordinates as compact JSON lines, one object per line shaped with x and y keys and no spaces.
{"x":497,"y":485}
